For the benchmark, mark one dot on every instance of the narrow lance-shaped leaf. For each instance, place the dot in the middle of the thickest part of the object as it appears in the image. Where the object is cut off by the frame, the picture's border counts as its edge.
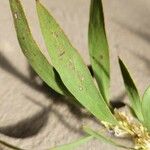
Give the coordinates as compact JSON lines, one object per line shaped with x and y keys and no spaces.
{"x":75,"y":144}
{"x":98,"y":48}
{"x":146,"y":108}
{"x":31,"y":50}
{"x":131,"y":91}
{"x":71,"y":68}
{"x":103,"y":137}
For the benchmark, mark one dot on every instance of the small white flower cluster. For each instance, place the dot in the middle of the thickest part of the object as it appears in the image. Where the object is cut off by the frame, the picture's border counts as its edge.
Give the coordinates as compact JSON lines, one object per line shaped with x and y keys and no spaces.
{"x":128,"y":127}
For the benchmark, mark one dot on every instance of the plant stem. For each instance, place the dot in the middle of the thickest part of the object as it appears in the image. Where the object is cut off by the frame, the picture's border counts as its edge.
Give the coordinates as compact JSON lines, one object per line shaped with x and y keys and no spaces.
{"x":9,"y":145}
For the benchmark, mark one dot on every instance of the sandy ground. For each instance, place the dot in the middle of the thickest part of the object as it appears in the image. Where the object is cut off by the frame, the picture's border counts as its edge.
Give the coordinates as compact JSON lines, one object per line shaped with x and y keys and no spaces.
{"x":33,"y":117}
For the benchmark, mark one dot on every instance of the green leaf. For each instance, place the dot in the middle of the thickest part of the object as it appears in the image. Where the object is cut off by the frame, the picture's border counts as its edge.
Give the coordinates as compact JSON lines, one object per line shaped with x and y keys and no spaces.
{"x":74,"y":144}
{"x":131,"y":91}
{"x":146,"y":108}
{"x":9,"y":145}
{"x":31,"y":50}
{"x":103,"y":137}
{"x":98,"y":48}
{"x":71,"y":68}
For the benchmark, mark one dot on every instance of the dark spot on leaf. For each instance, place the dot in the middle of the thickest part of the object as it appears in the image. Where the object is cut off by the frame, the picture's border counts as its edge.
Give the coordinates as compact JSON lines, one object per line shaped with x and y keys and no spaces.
{"x":34,"y":54}
{"x":62,"y":53}
{"x":55,"y":34}
{"x":101,"y":56}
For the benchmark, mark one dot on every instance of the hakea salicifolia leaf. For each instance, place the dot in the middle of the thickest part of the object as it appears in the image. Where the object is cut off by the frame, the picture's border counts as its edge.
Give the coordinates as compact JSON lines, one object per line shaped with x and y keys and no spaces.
{"x":98,"y":48}
{"x":78,"y":80}
{"x":68,"y":70}
{"x":74,"y":144}
{"x":71,"y":68}
{"x":146,"y":108}
{"x":32,"y":51}
{"x":132,"y":91}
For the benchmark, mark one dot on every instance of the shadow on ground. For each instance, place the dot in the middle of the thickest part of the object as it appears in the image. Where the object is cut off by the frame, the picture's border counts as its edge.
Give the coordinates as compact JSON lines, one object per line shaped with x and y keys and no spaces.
{"x":140,"y":32}
{"x":31,"y":126}
{"x":143,"y":59}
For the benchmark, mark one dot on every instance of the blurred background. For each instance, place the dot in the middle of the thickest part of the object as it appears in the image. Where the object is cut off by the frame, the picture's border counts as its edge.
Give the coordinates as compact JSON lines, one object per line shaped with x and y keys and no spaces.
{"x":33,"y":116}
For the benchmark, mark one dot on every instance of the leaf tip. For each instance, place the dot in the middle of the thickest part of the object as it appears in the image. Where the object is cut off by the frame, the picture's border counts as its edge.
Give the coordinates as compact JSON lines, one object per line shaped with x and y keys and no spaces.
{"x":119,"y":59}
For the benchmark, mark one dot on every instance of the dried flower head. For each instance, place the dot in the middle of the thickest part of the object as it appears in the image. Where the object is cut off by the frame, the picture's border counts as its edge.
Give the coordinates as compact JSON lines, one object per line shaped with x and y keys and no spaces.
{"x":129,"y":127}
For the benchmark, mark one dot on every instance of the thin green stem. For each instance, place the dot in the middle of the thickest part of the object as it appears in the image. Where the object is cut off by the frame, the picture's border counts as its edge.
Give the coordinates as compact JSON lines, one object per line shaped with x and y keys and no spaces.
{"x":9,"y":145}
